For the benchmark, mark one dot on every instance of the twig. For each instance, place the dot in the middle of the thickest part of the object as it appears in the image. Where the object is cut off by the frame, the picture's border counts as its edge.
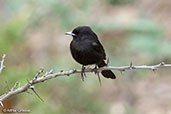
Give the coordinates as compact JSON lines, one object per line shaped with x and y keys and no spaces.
{"x":2,"y":62}
{"x":37,"y":75}
{"x":132,"y":67}
{"x":1,"y":67}
{"x":51,"y":75}
{"x":14,"y":87}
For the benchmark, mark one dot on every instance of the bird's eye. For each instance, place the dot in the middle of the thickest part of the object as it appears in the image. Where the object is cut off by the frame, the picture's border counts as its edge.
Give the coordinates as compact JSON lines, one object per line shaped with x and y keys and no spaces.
{"x":76,"y":32}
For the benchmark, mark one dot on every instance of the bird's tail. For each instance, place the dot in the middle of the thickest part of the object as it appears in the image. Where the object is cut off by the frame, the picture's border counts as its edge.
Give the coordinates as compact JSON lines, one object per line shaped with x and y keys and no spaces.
{"x":106,"y":73}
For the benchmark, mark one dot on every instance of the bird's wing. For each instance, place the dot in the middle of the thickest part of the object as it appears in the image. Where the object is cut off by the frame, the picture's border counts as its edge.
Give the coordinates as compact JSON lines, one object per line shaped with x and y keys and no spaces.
{"x":97,"y":46}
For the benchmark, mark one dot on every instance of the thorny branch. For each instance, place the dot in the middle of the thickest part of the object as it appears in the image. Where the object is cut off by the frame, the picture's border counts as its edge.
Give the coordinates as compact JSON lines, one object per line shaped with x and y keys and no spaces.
{"x":49,"y":75}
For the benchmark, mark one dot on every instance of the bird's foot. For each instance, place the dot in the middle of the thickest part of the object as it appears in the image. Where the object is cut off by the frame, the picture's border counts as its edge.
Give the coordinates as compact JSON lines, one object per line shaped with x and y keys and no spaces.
{"x":95,"y":69}
{"x":83,"y":73}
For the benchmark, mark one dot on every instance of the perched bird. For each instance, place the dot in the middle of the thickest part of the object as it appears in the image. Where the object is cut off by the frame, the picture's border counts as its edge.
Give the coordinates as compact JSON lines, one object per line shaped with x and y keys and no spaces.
{"x":86,"y":49}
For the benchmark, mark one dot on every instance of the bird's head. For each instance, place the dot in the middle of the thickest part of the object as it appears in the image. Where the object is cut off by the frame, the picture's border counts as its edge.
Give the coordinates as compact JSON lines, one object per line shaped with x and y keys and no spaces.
{"x":80,"y":31}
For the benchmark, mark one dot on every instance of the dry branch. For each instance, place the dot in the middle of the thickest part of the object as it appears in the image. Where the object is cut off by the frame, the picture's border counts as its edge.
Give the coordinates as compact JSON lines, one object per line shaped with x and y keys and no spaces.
{"x":50,"y":75}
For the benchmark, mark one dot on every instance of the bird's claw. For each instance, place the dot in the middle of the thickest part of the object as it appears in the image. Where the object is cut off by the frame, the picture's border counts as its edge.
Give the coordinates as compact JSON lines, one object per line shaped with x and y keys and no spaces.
{"x":95,"y":70}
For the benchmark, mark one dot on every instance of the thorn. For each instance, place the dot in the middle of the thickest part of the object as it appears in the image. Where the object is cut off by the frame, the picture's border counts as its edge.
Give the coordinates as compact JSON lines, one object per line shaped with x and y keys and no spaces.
{"x":98,"y":74}
{"x":15,"y":86}
{"x":37,"y":75}
{"x":108,"y":61}
{"x":32,"y":88}
{"x":29,"y":82}
{"x":51,"y":71}
{"x":45,"y":74}
{"x":1,"y":104}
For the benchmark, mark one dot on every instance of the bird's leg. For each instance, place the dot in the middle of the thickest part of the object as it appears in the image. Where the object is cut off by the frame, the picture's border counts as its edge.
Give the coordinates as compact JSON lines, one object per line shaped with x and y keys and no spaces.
{"x":95,"y":69}
{"x":82,"y":72}
{"x":98,"y":75}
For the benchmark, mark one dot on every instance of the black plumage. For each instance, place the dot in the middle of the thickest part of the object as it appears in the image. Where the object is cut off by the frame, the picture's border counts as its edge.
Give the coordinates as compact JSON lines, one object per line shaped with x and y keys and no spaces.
{"x":86,"y":49}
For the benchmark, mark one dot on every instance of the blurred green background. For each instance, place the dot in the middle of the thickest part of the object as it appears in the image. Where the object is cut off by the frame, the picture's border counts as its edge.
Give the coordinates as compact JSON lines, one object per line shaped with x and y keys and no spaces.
{"x":32,"y":36}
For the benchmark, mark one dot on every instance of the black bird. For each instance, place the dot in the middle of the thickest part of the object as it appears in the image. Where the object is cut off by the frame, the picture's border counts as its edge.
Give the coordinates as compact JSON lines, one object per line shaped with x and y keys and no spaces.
{"x":86,"y":49}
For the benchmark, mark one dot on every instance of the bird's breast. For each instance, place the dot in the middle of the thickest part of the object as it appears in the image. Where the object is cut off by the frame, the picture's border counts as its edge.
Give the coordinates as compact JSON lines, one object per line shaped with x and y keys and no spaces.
{"x":83,"y":53}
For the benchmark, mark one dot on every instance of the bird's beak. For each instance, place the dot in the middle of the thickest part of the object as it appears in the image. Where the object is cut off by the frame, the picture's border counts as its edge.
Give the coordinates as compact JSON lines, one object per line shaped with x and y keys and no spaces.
{"x":70,"y":33}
